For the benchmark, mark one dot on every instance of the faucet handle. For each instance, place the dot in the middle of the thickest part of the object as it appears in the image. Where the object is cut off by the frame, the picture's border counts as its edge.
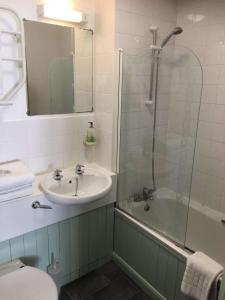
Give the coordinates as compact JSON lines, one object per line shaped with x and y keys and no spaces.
{"x":57,"y":171}
{"x":148,"y":194}
{"x":57,"y":174}
{"x":79,"y":170}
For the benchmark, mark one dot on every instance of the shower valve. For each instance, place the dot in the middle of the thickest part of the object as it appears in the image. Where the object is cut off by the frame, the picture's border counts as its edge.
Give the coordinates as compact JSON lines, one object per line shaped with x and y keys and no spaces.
{"x":148,"y":194}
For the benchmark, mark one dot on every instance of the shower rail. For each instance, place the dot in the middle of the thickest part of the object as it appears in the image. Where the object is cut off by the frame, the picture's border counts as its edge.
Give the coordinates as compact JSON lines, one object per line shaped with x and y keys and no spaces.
{"x":120,"y":53}
{"x":153,"y":30}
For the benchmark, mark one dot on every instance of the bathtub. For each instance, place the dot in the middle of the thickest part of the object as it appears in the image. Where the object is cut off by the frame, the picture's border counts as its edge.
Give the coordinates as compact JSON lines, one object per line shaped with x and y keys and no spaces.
{"x":153,"y":261}
{"x":197,"y":228}
{"x":206,"y":232}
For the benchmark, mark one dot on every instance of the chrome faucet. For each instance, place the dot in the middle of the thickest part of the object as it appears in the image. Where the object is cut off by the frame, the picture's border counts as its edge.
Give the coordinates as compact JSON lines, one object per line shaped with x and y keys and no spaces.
{"x":145,"y":195}
{"x":57,"y":174}
{"x":76,"y":186}
{"x":148,"y":194}
{"x":79,"y":169}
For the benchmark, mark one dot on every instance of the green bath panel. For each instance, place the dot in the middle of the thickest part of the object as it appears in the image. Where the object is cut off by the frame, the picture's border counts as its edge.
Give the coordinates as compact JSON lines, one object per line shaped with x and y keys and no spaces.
{"x":81,"y":244}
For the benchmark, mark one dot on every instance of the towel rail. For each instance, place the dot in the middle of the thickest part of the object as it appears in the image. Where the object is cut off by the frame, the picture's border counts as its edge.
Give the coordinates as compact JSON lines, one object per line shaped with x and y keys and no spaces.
{"x":6,"y":97}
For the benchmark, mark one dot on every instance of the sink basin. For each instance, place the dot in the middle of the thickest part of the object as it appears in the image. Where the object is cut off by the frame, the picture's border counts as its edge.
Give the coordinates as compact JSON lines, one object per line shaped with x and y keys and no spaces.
{"x":92,"y":185}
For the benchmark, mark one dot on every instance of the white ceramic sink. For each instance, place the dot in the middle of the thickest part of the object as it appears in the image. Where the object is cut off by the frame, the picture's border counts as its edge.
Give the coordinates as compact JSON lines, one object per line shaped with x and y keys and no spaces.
{"x":92,"y":185}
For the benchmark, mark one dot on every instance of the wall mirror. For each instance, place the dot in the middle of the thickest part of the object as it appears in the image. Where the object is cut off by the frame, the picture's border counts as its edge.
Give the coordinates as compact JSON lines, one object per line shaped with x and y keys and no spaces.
{"x":59,"y":62}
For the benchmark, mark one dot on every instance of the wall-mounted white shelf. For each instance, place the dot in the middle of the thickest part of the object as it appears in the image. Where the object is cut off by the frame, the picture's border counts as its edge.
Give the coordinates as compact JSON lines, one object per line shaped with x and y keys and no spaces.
{"x":10,"y":32}
{"x":13,"y":59}
{"x":6,"y":96}
{"x":17,"y":35}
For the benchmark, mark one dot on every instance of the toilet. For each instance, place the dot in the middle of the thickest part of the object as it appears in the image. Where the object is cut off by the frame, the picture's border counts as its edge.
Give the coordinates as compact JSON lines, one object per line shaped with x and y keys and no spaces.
{"x":20,"y":282}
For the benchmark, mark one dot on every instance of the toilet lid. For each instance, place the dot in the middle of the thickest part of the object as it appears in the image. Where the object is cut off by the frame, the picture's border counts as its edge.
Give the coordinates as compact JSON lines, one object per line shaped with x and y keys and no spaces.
{"x":27,"y":283}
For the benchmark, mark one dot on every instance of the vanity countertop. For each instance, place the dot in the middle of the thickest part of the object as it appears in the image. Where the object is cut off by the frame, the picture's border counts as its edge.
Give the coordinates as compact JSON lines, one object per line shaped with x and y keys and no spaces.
{"x":18,"y":217}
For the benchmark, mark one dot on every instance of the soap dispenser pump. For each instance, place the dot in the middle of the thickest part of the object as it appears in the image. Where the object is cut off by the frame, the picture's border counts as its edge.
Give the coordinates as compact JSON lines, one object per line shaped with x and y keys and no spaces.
{"x":91,"y":136}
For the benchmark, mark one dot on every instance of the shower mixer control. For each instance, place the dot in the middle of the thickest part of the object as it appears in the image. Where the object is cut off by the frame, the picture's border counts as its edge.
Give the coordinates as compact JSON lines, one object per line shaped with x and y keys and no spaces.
{"x":145,"y":195}
{"x":148,"y":194}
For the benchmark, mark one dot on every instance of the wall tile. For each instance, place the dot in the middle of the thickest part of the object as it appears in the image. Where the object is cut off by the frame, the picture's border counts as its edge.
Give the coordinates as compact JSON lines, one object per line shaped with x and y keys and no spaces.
{"x":45,"y":143}
{"x":205,"y":18}
{"x":39,"y":140}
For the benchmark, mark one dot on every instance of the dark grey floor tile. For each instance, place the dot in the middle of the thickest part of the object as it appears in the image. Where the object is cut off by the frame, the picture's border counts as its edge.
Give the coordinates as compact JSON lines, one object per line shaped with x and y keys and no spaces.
{"x":86,"y":286}
{"x":119,"y":289}
{"x":63,"y":296}
{"x":140,"y":296}
{"x":111,"y":270}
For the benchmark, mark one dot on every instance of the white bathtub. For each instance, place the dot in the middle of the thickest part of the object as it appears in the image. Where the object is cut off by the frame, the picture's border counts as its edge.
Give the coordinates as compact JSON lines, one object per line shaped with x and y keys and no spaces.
{"x":205,"y":232}
{"x":197,"y":228}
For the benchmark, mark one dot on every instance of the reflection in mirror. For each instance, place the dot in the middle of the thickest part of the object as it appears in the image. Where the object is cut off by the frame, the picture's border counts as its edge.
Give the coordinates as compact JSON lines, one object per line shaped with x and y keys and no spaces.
{"x":84,"y":70}
{"x":58,"y":81}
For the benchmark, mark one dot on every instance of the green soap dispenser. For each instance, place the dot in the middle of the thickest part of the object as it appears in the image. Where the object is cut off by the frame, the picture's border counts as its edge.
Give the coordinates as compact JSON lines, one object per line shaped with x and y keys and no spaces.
{"x":91,"y":136}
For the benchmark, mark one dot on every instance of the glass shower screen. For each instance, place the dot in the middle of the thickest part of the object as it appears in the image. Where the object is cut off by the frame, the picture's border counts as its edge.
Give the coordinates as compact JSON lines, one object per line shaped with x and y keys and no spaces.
{"x":170,"y":148}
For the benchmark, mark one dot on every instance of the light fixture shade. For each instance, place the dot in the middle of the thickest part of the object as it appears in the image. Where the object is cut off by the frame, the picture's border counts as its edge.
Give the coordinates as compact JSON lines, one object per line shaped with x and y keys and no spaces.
{"x":58,"y":13}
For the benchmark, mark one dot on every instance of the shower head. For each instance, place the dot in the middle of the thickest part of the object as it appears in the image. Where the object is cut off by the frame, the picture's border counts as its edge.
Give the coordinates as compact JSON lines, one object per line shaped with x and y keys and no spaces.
{"x":176,"y":30}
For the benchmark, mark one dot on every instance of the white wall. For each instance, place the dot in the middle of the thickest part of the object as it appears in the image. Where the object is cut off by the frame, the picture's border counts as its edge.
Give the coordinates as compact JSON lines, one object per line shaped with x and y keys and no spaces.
{"x":203,"y":23}
{"x":57,"y":141}
{"x":134,"y":18}
{"x":105,"y":92}
{"x":133,"y":21}
{"x":41,"y":142}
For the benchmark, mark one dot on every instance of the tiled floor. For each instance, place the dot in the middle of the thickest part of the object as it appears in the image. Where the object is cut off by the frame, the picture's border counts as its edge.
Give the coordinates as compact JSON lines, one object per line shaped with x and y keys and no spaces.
{"x":107,"y":283}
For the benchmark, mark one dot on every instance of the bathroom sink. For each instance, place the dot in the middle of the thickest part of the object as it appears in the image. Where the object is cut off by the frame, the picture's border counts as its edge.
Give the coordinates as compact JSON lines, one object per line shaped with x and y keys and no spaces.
{"x":75,"y":189}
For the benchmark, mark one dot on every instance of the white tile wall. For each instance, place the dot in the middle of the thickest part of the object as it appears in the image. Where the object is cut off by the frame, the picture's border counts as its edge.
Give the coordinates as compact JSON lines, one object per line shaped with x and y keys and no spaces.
{"x":125,"y":24}
{"x":133,"y":20}
{"x":205,"y":20}
{"x":203,"y":24}
{"x":42,"y":142}
{"x":45,"y":143}
{"x":84,"y":70}
{"x":105,"y":89}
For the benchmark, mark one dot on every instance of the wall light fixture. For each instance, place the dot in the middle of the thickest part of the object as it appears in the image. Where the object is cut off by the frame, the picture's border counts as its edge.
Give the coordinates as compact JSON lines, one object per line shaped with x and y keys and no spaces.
{"x":63,"y":14}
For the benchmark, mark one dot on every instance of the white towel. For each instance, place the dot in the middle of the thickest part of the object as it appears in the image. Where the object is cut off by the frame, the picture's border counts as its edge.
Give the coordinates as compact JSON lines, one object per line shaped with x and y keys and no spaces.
{"x":201,"y":277}
{"x":19,"y":193}
{"x":14,"y":175}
